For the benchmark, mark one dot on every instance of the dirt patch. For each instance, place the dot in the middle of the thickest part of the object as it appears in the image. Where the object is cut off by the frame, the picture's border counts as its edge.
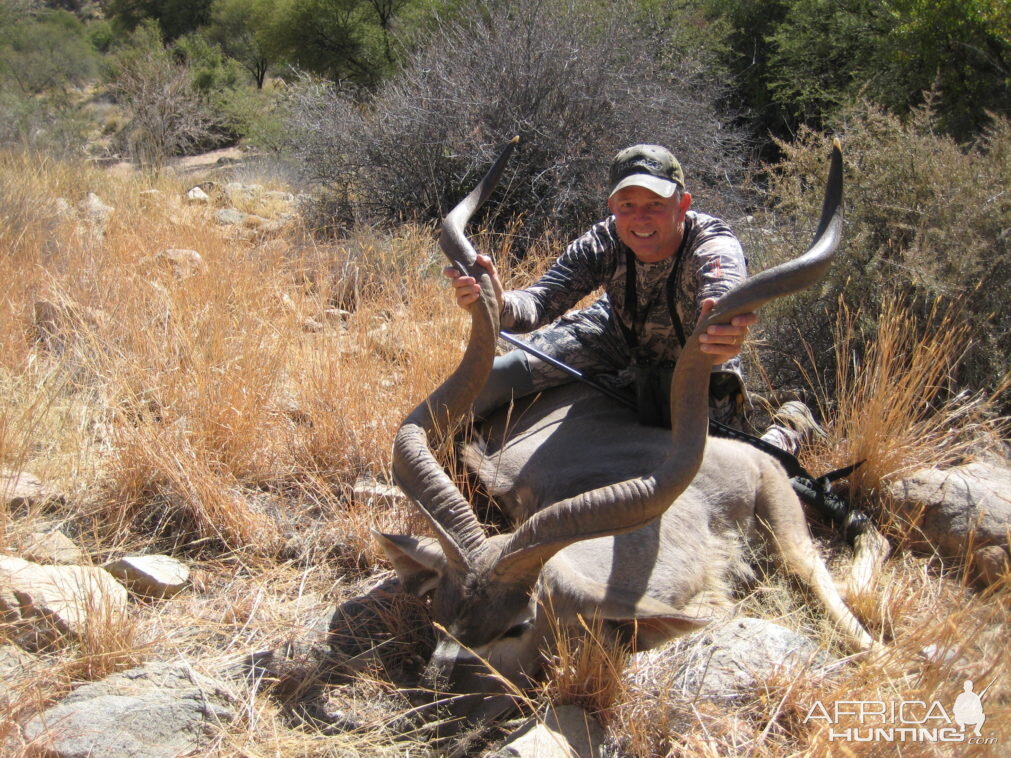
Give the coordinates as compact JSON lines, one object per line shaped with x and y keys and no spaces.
{"x":187,"y":164}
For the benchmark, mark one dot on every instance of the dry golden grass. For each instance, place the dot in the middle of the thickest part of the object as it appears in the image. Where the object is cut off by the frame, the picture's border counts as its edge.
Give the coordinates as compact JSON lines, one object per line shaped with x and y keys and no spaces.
{"x":586,"y":668}
{"x":893,"y":409}
{"x":226,"y":416}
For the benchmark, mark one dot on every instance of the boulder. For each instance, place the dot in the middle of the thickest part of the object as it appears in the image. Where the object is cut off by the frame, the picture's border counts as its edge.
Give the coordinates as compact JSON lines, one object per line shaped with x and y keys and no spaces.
{"x":52,"y":547}
{"x":336,"y":315}
{"x":279,"y":197}
{"x":312,"y":326}
{"x":94,"y":210}
{"x":16,"y":670}
{"x":259,"y":223}
{"x":564,"y":732}
{"x":242,"y":193}
{"x":727,"y":660}
{"x":373,"y":493}
{"x":154,"y":576}
{"x":959,"y":508}
{"x":990,"y":564}
{"x":62,"y":209}
{"x":181,"y":262}
{"x":21,"y":489}
{"x":230,"y":217}
{"x":50,"y":601}
{"x":196,"y":196}
{"x":155,"y":711}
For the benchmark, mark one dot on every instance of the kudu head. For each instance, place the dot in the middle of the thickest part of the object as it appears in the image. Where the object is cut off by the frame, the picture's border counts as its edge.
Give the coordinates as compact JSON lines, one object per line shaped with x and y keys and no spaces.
{"x":486,"y":592}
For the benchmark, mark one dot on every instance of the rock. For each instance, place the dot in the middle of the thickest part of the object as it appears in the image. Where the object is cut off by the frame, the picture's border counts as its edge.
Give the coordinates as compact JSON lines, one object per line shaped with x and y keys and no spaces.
{"x":230,"y":217}
{"x":154,"y":576}
{"x":252,"y":221}
{"x":94,"y":210}
{"x":155,"y":711}
{"x":959,"y":507}
{"x":312,"y":326}
{"x":21,"y":489}
{"x":279,"y":196}
{"x":991,"y":564}
{"x":52,"y":547}
{"x":62,"y":209}
{"x":43,"y":600}
{"x":56,"y":323}
{"x":16,"y":668}
{"x":564,"y":732}
{"x":287,"y":405}
{"x":151,"y":198}
{"x":196,"y":196}
{"x":182,"y":262}
{"x":238,"y":192}
{"x":336,"y":315}
{"x":370,"y":492}
{"x":270,"y":227}
{"x":726,"y":661}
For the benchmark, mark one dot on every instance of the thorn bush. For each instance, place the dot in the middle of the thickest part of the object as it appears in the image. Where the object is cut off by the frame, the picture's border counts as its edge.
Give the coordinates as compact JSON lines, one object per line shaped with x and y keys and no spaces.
{"x":577,"y":81}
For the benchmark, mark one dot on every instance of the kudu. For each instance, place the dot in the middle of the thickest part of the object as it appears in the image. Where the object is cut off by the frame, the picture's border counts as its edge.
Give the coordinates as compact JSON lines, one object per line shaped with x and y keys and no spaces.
{"x":642,"y":526}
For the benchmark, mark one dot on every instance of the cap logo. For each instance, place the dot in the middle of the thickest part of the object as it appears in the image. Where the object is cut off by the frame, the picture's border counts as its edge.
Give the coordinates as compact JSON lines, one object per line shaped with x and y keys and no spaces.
{"x":629,"y":167}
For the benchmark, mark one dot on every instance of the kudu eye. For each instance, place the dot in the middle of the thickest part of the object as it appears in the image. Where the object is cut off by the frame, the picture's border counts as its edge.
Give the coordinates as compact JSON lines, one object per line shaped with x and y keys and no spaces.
{"x":517,"y":630}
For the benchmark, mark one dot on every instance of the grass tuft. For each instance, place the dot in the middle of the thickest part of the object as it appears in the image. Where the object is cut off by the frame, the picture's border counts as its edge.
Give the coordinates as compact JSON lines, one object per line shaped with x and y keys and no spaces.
{"x":894,"y":410}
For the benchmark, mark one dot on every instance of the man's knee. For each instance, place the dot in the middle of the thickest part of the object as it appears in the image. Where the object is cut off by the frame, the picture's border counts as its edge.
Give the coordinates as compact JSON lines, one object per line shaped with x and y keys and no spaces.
{"x":510,"y":378}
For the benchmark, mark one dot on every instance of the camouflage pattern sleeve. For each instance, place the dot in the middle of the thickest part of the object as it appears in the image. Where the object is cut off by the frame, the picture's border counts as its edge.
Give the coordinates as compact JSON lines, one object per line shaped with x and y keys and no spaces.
{"x":586,"y":265}
{"x":714,"y":264}
{"x":717,"y":261}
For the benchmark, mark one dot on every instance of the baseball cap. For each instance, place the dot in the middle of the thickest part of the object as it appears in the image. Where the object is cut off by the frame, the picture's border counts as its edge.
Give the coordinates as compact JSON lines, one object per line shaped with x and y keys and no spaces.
{"x":649,"y":166}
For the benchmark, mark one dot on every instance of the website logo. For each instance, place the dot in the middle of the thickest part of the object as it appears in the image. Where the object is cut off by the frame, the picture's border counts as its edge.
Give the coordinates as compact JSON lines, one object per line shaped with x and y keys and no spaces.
{"x":906,"y":720}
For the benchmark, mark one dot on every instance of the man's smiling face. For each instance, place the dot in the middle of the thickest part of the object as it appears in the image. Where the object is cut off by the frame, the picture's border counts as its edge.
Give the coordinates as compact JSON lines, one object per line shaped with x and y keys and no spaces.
{"x":649,"y":224}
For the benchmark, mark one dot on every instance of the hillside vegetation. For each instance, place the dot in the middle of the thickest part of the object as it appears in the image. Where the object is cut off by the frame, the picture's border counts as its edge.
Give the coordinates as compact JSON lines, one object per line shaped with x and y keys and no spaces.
{"x":226,"y":389}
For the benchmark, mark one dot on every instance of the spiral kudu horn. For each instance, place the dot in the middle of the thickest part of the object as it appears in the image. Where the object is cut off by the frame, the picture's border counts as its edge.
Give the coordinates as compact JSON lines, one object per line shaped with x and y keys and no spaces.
{"x":415,"y":469}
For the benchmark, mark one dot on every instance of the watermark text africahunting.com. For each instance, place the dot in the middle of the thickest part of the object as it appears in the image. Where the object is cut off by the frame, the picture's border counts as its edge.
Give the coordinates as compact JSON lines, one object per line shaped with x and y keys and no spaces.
{"x":904,"y":720}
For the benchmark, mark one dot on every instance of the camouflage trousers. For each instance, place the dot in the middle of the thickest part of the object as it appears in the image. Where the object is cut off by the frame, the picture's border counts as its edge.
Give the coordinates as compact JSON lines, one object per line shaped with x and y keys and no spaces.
{"x":586,"y":342}
{"x":597,"y":354}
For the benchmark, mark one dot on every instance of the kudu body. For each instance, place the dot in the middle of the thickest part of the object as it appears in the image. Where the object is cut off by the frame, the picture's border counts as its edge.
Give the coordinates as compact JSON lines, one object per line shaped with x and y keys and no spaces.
{"x":642,"y":526}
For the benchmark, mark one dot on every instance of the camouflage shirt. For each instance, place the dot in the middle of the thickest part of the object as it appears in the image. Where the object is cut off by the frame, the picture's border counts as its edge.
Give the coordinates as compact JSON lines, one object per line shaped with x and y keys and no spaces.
{"x":595,"y":340}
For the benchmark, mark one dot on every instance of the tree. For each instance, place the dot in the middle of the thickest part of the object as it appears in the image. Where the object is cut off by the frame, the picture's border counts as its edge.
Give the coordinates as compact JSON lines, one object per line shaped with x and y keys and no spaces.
{"x":330,"y":37}
{"x":959,"y":49}
{"x":800,"y":62}
{"x":386,"y":12}
{"x":243,"y":30}
{"x":174,"y":17}
{"x":821,"y":52}
{"x":358,"y":43}
{"x":45,"y":51}
{"x":745,"y":53}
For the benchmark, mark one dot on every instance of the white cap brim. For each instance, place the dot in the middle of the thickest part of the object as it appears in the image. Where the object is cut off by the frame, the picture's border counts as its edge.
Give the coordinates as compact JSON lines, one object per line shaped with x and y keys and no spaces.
{"x":661,"y":187}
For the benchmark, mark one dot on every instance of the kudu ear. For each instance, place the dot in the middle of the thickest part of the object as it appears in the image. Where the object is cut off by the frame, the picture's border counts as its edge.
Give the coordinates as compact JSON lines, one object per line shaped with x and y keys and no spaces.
{"x":418,"y":561}
{"x":640,"y":620}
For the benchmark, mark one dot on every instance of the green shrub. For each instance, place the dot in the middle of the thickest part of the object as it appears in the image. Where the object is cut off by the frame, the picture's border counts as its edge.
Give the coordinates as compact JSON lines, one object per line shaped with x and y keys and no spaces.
{"x":925,"y":217}
{"x":801,"y":61}
{"x":44,"y":51}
